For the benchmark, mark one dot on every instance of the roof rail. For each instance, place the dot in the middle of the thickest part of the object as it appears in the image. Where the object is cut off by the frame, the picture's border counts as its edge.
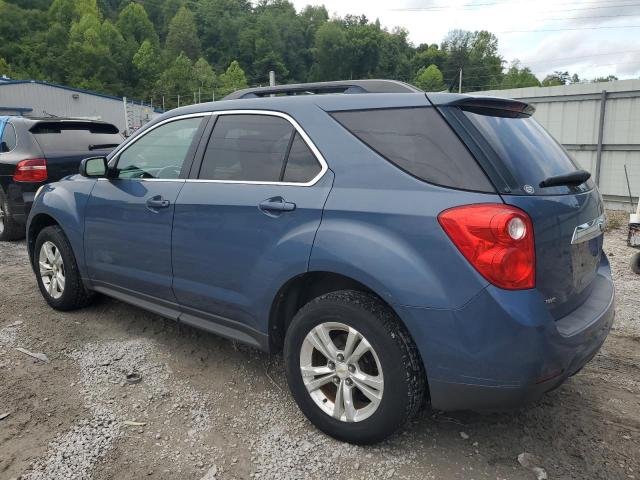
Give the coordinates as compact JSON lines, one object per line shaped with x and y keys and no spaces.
{"x":340,"y":86}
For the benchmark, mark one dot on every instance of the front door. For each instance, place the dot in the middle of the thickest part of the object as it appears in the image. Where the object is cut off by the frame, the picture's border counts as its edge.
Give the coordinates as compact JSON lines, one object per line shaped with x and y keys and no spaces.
{"x":246,"y":223}
{"x":129,"y":216}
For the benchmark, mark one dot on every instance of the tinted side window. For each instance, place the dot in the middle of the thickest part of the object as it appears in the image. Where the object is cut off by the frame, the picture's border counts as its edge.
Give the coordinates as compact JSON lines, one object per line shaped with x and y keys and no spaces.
{"x":302,"y":165}
{"x":161,"y":152}
{"x":420,"y":142}
{"x":8,"y":141}
{"x":247,"y":148}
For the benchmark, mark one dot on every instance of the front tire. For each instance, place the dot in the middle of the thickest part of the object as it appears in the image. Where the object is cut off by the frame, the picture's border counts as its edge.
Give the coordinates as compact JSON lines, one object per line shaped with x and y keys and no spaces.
{"x":352,"y":367}
{"x":57,"y":271}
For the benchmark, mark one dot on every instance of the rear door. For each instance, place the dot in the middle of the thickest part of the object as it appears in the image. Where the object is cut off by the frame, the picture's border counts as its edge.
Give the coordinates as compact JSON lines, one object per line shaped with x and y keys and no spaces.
{"x":568,"y":220}
{"x":245,"y":222}
{"x":129,"y":216}
{"x":65,"y":143}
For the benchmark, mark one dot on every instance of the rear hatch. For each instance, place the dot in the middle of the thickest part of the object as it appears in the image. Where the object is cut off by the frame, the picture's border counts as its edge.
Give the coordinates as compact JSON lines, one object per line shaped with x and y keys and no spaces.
{"x":567,"y":216}
{"x":65,"y":143}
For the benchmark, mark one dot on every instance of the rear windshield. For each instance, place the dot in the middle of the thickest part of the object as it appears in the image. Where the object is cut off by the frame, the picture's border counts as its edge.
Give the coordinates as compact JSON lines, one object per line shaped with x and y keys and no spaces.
{"x":76,"y":137}
{"x":420,"y":142}
{"x":526,"y":149}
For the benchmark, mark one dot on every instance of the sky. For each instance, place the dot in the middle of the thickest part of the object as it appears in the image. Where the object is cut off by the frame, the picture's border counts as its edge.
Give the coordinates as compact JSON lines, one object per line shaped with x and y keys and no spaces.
{"x":598,"y":44}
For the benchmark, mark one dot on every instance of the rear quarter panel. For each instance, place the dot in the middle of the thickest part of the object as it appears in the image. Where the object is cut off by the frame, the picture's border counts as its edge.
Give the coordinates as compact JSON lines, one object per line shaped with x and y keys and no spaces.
{"x":380,"y":226}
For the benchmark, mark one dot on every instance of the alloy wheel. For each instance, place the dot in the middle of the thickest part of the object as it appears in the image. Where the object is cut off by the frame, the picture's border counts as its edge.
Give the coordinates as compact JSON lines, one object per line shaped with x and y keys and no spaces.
{"x":341,"y":372}
{"x":52,"y":271}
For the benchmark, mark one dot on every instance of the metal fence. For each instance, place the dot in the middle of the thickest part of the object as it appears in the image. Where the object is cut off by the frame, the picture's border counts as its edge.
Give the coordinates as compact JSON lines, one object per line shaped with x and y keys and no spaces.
{"x":599,"y":123}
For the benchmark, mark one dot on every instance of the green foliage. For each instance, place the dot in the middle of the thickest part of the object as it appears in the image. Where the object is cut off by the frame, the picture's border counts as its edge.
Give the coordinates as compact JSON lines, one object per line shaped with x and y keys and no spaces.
{"x":556,"y":78}
{"x":519,"y":77}
{"x":153,"y":48}
{"x":183,"y":36}
{"x":231,"y":80}
{"x":608,"y":78}
{"x":5,"y":69}
{"x":430,"y":79}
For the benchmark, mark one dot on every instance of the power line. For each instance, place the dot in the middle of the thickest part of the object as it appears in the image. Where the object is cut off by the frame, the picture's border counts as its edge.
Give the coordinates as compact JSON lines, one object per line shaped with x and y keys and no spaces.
{"x":568,"y":29}
{"x":477,"y":6}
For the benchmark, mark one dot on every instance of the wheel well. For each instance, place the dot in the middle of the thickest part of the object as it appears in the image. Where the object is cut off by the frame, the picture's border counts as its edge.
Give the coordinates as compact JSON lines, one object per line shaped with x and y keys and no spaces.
{"x":38,"y":223}
{"x":299,"y":291}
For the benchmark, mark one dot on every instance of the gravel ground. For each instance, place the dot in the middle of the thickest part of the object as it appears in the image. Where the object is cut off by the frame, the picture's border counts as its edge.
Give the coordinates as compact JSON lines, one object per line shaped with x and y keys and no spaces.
{"x":207,"y":408}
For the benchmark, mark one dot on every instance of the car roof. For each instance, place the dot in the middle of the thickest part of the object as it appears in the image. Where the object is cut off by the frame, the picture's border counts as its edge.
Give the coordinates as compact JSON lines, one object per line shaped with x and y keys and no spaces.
{"x":330,"y":102}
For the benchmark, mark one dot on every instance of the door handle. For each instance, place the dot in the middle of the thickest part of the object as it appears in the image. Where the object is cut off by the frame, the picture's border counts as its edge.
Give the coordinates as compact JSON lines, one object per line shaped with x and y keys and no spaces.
{"x":157,"y":202}
{"x":276,"y":205}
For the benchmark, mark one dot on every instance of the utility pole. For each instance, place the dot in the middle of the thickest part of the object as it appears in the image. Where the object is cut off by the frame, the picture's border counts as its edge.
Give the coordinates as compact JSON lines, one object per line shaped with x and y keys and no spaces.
{"x":199,"y":96}
{"x":272,"y":78}
{"x":163,"y":103}
{"x":460,"y":82}
{"x":178,"y":101}
{"x":213,"y":95}
{"x":126,"y":117}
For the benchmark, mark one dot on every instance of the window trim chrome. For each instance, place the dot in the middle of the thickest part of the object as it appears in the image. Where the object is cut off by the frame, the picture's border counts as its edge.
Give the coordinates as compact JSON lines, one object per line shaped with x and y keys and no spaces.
{"x":305,"y":138}
{"x":115,"y":158}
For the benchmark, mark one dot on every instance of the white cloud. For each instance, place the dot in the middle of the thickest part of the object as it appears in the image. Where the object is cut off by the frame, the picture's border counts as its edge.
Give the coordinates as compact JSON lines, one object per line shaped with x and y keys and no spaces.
{"x":540,"y":50}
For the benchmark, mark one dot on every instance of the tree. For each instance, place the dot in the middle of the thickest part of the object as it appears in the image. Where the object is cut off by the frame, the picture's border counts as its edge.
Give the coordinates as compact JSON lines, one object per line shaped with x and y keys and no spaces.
{"x":330,"y":47}
{"x":519,"y":77}
{"x":183,"y":36}
{"x":231,"y":80}
{"x":177,"y":80}
{"x":68,"y":11}
{"x":608,"y":78}
{"x":556,"y":78}
{"x":204,"y":75}
{"x":5,"y":69}
{"x":135,"y":26}
{"x":430,"y":79}
{"x":147,"y":66}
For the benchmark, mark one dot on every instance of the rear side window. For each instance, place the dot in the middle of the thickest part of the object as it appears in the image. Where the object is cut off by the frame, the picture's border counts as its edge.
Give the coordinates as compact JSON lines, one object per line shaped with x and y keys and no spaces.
{"x":76,"y":136}
{"x":302,"y":165}
{"x":526,"y":149}
{"x":418,"y":141}
{"x":8,"y":140}
{"x":257,"y":148}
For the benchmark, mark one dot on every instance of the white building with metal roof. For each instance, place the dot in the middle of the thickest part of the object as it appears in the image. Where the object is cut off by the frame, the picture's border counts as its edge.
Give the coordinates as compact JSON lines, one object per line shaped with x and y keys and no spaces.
{"x":42,"y":99}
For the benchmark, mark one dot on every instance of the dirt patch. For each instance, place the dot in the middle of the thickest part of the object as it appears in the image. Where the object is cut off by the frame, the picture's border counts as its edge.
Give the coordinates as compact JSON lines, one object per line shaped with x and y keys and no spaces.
{"x":209,"y":408}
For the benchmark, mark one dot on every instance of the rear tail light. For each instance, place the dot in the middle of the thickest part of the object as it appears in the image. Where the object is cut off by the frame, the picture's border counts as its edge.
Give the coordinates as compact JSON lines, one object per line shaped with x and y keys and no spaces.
{"x":34,"y":170}
{"x":497,"y":240}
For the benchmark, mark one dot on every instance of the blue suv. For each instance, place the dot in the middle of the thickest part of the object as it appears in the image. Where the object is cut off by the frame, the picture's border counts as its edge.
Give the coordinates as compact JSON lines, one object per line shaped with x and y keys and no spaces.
{"x":399,"y":247}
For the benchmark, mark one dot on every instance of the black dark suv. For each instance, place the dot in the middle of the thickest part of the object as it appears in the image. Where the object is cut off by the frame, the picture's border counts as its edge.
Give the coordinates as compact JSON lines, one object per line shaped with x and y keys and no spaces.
{"x":35,"y":151}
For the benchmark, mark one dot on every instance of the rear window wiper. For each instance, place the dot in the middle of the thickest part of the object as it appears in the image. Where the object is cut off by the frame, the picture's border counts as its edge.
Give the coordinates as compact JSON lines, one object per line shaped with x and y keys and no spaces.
{"x":103,"y":146}
{"x":571,"y":179}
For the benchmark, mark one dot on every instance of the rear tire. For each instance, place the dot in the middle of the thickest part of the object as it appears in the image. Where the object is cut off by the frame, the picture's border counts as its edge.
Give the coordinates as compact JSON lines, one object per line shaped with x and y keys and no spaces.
{"x":635,"y":263}
{"x":363,"y":397}
{"x":57,"y":272}
{"x":9,"y":229}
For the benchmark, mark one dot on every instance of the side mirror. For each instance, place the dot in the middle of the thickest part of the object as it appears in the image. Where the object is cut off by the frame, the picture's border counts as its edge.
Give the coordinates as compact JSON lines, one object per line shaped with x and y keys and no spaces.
{"x":94,"y":167}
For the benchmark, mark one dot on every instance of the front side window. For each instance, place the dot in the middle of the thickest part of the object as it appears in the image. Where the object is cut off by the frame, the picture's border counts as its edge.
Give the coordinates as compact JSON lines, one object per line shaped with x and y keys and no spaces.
{"x":257,"y":148}
{"x":8,"y":141}
{"x":161,"y":152}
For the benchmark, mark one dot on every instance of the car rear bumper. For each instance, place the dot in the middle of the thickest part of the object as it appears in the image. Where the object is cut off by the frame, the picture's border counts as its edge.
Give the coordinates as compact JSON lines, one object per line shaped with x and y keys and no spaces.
{"x":20,"y":197}
{"x":503,"y":349}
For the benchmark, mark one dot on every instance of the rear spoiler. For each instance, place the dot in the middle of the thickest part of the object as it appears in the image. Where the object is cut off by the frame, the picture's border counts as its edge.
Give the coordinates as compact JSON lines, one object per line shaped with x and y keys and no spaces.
{"x":495,"y":106}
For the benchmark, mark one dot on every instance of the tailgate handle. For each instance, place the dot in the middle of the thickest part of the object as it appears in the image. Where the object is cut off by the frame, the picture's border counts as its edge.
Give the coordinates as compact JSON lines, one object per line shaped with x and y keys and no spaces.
{"x":589,"y":230}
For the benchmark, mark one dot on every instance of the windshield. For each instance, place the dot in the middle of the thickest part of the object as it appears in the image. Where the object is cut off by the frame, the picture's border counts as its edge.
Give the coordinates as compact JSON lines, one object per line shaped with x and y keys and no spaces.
{"x":528,"y":151}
